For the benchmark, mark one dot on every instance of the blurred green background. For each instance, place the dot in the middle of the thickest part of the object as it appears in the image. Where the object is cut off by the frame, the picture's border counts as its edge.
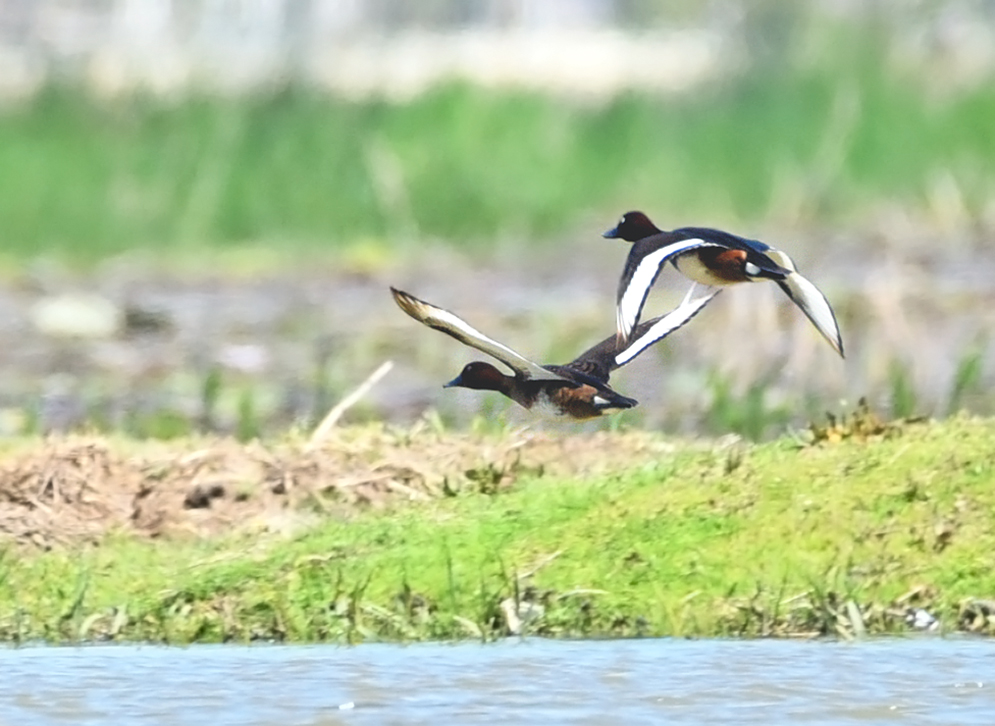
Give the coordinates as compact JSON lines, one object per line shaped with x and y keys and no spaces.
{"x":823,"y":127}
{"x":243,"y":188}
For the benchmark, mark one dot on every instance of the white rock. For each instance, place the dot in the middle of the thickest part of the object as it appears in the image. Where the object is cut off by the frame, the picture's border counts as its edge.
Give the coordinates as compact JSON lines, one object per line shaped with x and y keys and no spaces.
{"x":77,"y":315}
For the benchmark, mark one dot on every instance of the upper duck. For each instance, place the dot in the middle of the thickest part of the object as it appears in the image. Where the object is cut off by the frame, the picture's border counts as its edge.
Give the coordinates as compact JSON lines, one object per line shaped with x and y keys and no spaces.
{"x":578,"y":389}
{"x":710,"y":257}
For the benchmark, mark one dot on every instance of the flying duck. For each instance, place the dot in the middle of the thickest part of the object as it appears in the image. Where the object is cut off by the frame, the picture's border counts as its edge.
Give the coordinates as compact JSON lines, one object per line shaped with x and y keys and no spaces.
{"x":710,"y":257}
{"x":578,"y":389}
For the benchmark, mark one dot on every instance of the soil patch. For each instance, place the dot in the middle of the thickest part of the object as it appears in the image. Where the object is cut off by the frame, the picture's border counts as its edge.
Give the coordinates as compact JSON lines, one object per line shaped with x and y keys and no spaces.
{"x":63,"y":490}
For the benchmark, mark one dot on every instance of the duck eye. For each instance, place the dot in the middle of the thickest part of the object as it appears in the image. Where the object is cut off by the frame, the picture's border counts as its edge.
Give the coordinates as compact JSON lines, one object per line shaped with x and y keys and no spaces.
{"x":621,"y":220}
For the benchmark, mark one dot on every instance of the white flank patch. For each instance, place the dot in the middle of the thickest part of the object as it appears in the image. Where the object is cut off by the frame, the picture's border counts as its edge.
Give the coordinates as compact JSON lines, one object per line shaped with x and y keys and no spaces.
{"x":630,"y":303}
{"x":664,"y":327}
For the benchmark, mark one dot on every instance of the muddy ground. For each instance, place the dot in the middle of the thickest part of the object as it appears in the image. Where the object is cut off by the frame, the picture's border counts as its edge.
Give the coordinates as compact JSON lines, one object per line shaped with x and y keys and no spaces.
{"x":67,"y":490}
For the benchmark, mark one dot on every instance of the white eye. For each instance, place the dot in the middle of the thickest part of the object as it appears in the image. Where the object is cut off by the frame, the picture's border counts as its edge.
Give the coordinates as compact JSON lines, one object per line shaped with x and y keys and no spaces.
{"x":621,"y":220}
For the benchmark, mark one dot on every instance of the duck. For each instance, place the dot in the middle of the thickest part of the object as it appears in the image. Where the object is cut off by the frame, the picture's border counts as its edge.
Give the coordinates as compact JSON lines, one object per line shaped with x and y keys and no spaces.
{"x":577,"y":390}
{"x":714,"y":258}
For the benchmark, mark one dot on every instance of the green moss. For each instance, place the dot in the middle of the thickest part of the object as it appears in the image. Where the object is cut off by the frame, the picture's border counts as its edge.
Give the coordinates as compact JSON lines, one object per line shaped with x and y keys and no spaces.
{"x":756,"y":540}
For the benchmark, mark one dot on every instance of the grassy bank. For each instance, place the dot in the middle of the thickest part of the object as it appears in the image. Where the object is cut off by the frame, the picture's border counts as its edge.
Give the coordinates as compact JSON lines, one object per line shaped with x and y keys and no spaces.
{"x":840,"y":537}
{"x":820,"y":137}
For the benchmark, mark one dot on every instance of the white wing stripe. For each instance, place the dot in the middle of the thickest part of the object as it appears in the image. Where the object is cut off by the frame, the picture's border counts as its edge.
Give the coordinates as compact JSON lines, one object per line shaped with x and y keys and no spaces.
{"x":630,"y":304}
{"x":664,"y":327}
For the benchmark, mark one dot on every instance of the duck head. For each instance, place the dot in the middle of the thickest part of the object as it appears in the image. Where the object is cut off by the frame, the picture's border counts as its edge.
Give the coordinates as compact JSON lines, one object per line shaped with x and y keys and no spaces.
{"x":632,"y":227}
{"x":480,"y":377}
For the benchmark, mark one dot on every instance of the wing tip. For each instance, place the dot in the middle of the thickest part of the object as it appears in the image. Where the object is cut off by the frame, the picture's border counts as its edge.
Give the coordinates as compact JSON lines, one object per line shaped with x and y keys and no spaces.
{"x":407,"y":302}
{"x":826,"y":323}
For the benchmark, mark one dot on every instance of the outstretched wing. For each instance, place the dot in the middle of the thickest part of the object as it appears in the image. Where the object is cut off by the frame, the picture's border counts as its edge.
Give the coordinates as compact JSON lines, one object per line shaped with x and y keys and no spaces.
{"x":453,"y":325}
{"x":810,"y":299}
{"x":601,"y":359}
{"x":641,"y":271}
{"x":814,"y":304}
{"x":659,"y":328}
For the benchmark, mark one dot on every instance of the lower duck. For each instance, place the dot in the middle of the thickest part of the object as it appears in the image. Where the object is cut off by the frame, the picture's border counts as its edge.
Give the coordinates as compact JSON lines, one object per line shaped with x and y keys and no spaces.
{"x":578,"y":390}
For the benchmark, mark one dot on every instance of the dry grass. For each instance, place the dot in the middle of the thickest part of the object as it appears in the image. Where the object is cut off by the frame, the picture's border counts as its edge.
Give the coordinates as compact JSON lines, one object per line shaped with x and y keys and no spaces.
{"x":62,"y":490}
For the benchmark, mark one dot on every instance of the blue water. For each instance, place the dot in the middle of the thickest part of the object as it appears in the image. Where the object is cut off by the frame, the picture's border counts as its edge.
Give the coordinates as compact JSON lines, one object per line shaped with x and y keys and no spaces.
{"x":896,"y":681}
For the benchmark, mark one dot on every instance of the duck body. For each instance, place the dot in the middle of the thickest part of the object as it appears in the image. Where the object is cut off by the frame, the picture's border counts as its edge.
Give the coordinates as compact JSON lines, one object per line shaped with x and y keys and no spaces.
{"x":726,"y":259}
{"x":565,"y":393}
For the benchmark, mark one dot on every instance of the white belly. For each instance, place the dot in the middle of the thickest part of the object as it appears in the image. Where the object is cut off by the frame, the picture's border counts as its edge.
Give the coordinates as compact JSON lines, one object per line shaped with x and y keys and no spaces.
{"x":544,"y":407}
{"x":690,"y":266}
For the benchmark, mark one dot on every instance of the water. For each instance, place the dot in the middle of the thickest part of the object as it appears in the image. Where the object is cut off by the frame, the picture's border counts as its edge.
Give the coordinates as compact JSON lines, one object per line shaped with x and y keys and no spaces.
{"x":895,"y":681}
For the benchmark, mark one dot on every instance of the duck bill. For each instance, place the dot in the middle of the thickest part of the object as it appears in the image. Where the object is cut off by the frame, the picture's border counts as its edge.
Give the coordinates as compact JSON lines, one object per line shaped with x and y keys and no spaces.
{"x":815,"y":306}
{"x":611,"y":234}
{"x":455,"y":383}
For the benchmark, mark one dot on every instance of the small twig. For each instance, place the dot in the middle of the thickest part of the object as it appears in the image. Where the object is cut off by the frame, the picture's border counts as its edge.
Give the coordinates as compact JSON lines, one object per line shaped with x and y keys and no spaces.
{"x":539,"y":565}
{"x":580,"y":591}
{"x":328,"y":423}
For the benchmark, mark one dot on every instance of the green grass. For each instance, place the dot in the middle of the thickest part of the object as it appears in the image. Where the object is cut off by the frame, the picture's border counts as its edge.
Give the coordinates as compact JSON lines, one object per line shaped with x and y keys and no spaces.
{"x":821,"y":137}
{"x":742,"y":540}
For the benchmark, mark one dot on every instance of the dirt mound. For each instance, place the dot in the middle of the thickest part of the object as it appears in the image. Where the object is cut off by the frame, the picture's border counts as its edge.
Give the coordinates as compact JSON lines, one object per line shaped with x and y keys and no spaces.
{"x":71,"y":489}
